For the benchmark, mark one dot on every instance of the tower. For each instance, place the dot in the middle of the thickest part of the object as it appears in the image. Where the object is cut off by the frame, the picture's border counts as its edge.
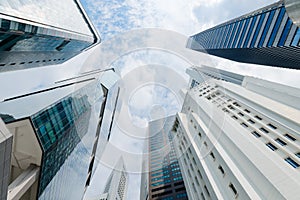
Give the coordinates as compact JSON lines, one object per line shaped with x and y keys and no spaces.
{"x":55,"y":136}
{"x":267,"y":36}
{"x":117,"y":183}
{"x":35,"y":33}
{"x":163,"y":171}
{"x":239,"y":140}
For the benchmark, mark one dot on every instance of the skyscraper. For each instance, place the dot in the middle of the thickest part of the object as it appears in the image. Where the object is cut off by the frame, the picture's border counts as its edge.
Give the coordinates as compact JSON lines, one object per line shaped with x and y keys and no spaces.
{"x":164,"y":174}
{"x":117,"y":183}
{"x":203,"y":73}
{"x":268,"y":36}
{"x":55,"y":137}
{"x":239,"y":141}
{"x":36,"y":33}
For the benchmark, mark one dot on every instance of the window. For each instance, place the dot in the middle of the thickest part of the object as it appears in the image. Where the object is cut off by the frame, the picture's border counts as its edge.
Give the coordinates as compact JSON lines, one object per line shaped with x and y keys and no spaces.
{"x":199,"y":134}
{"x":199,"y":173}
{"x":296,"y":38}
{"x":205,"y":144}
{"x":194,"y":161}
{"x":236,"y":104}
{"x":243,"y":32}
{"x":197,"y":180}
{"x":221,"y":169}
{"x":266,"y":29}
{"x":233,"y":189}
{"x":241,"y":114}
{"x":181,"y":195}
{"x":285,"y":32}
{"x":257,"y":30}
{"x":237,"y":33}
{"x":177,"y":178}
{"x":212,"y":155}
{"x":264,"y":130}
{"x":251,"y":121}
{"x":298,"y":154}
{"x":246,"y":110}
{"x":282,"y":143}
{"x":276,"y":27}
{"x":234,"y":117}
{"x":272,"y":126}
{"x":250,"y":31}
{"x":231,"y":107}
{"x":258,"y":117}
{"x":191,"y":166}
{"x":271,"y":146}
{"x":194,"y":187}
{"x":206,"y":190}
{"x":256,"y":134}
{"x":202,"y":195}
{"x":244,"y":125}
{"x":292,"y":162}
{"x":290,"y":137}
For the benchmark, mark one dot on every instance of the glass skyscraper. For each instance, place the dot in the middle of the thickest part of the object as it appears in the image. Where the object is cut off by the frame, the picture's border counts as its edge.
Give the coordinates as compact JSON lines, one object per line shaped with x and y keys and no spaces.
{"x":268,"y":36}
{"x":37,"y":33}
{"x":164,"y":174}
{"x":55,"y":136}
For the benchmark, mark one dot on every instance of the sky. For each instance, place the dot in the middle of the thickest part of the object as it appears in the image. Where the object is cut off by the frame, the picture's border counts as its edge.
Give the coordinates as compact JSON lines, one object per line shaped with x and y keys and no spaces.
{"x":145,"y":41}
{"x":148,"y":92}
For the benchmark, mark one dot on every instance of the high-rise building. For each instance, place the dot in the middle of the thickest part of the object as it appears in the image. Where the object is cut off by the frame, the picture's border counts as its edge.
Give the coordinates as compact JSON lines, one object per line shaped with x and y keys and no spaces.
{"x":268,"y":36}
{"x":203,"y":73}
{"x":239,"y":141}
{"x":117,"y":183}
{"x":55,"y":136}
{"x":35,"y":33}
{"x":164,"y":174}
{"x":5,"y":156}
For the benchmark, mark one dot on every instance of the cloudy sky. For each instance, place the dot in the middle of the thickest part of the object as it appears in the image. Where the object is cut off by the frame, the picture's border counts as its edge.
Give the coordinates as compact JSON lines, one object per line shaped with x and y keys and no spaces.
{"x":151,"y":76}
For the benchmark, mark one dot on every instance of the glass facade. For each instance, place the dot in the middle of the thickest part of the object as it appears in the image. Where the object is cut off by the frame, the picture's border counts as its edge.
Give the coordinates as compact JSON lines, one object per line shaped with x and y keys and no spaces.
{"x":267,"y":36}
{"x":66,"y":131}
{"x":33,"y":39}
{"x":165,"y":179}
{"x":65,"y":122}
{"x":58,"y":134}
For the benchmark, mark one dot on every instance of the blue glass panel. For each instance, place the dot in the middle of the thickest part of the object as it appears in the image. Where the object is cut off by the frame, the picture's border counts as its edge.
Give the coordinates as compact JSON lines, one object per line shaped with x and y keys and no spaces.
{"x":243,"y":33}
{"x":285,"y":32}
{"x":250,"y":32}
{"x":276,"y":27}
{"x":223,"y":39}
{"x":232,"y":34}
{"x":224,"y":32}
{"x":237,"y":33}
{"x":218,"y":38}
{"x":227,"y":36}
{"x":261,"y":20}
{"x":296,"y":39}
{"x":266,"y":29}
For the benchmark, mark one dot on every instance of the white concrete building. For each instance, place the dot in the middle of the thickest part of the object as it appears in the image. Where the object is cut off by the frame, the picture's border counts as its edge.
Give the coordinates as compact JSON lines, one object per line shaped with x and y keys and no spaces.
{"x":239,"y":141}
{"x":117,"y":183}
